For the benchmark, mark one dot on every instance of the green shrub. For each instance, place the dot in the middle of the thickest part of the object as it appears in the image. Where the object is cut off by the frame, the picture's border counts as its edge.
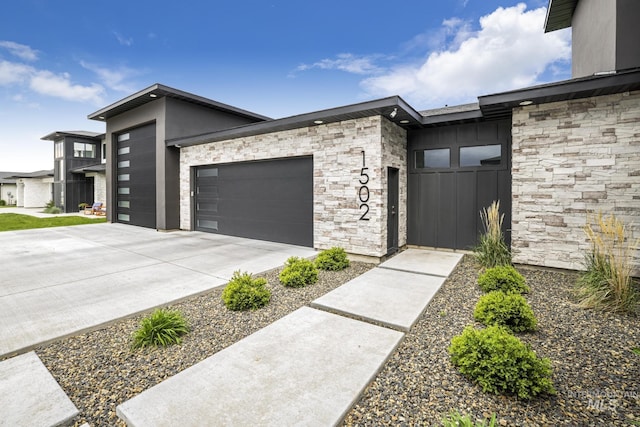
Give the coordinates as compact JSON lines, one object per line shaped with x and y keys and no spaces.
{"x":162,"y":327}
{"x":492,"y":250}
{"x":502,"y":278}
{"x":333,"y":259}
{"x":245,"y":293}
{"x":3,"y":202}
{"x":52,"y":210}
{"x":298,"y":272}
{"x":500,"y":363}
{"x":607,"y":284}
{"x":509,"y":310}
{"x":455,"y":419}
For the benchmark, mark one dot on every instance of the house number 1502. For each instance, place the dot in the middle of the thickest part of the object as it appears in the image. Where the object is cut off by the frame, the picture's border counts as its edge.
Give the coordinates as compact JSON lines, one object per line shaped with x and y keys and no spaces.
{"x":363,"y":191}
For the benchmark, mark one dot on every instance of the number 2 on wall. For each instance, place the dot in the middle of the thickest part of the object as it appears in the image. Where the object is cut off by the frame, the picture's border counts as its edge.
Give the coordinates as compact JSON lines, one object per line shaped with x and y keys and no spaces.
{"x":363,"y":192}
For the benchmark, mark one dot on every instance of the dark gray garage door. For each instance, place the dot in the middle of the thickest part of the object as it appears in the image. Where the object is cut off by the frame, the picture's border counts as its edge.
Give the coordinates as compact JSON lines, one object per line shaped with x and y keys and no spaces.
{"x":266,"y":200}
{"x":454,"y":172}
{"x":136,"y":177}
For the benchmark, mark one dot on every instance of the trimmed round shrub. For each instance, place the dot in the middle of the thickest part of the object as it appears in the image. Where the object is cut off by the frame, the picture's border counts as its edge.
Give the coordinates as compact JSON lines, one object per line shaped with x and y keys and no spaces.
{"x":245,"y":293}
{"x":500,"y":363}
{"x":509,"y":310}
{"x":298,"y":272}
{"x":333,"y":259}
{"x":503,"y":278}
{"x":163,"y":327}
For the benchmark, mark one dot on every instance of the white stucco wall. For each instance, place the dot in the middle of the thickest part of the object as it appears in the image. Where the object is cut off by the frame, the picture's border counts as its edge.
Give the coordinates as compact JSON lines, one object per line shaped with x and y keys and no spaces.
{"x":5,"y":190}
{"x":34,"y":192}
{"x":337,"y":163}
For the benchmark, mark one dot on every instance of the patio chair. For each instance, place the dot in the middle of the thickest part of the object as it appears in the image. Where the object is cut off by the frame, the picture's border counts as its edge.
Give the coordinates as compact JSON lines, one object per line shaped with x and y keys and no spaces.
{"x":94,"y":209}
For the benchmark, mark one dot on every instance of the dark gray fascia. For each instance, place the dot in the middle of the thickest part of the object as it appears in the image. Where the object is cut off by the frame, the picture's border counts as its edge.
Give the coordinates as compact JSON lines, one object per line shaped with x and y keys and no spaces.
{"x":381,"y":107}
{"x":62,"y":133}
{"x":156,"y":91}
{"x":501,"y":104}
{"x":36,"y":174}
{"x":559,"y":14}
{"x":447,"y":118}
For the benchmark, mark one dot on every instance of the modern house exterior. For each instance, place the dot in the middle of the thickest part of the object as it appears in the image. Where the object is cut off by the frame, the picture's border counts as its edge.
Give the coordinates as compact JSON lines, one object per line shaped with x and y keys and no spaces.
{"x":79,"y":168}
{"x":376,"y":176}
{"x":33,"y":189}
{"x":8,"y":188}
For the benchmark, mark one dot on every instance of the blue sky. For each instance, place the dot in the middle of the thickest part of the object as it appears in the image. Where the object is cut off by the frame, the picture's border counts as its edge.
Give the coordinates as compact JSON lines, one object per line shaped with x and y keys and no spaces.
{"x":62,"y":60}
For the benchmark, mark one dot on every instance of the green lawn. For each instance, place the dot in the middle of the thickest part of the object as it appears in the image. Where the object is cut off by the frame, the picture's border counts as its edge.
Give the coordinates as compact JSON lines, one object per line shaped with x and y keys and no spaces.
{"x":11,"y":221}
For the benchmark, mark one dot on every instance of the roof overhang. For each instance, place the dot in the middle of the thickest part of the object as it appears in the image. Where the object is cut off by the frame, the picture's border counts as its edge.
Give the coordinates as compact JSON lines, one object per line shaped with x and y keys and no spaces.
{"x":501,"y":104}
{"x":394,"y":108}
{"x":559,"y":14}
{"x":36,"y":174}
{"x":157,"y":91}
{"x":100,"y":168}
{"x":77,"y":133}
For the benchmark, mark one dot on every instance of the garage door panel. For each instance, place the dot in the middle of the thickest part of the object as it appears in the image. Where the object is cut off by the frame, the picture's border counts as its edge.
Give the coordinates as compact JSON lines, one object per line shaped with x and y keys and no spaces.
{"x":136,"y":170}
{"x":467,"y":211}
{"x":447,"y":211}
{"x":446,"y":215}
{"x":267,"y":200}
{"x":428,"y":215}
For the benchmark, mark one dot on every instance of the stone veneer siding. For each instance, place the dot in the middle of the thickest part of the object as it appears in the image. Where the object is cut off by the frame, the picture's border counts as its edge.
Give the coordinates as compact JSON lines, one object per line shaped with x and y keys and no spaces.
{"x":337,"y":161}
{"x":572,"y":159}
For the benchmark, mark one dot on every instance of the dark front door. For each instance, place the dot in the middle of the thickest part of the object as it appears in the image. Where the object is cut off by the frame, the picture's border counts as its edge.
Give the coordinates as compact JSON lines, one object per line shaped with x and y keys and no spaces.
{"x":392,"y":210}
{"x":266,"y":200}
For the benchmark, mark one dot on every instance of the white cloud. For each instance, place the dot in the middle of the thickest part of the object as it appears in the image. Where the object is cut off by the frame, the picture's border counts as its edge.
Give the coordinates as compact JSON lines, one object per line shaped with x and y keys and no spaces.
{"x":345,"y":62}
{"x":509,"y":51}
{"x":124,"y":41}
{"x":59,"y":85}
{"x":42,"y":81}
{"x":22,"y":51}
{"x":113,"y":78}
{"x":13,"y":72}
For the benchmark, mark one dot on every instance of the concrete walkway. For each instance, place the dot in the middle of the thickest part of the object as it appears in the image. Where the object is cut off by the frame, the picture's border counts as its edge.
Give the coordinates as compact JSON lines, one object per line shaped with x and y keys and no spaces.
{"x":307,"y":368}
{"x":60,"y":281}
{"x":37,"y":212}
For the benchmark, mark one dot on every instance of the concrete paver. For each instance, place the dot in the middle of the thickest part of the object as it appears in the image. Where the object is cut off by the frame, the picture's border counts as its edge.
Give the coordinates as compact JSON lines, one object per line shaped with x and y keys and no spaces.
{"x":391,"y":297}
{"x":32,"y":400}
{"x":305,"y":369}
{"x":424,"y":261}
{"x":60,"y":281}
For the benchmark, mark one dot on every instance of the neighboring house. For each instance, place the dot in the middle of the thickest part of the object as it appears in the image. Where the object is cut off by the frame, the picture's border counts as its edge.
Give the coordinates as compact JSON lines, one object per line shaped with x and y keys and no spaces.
{"x":79,"y":168}
{"x":8,"y":188}
{"x":34,"y":189}
{"x":379,"y":175}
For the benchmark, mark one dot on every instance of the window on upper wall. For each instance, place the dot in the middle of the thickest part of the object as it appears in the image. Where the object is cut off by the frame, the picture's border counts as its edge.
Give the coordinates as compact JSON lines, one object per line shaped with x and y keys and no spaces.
{"x":58,"y":149}
{"x":437,"y":158}
{"x":104,"y":152}
{"x":84,"y":150}
{"x":480,"y":155}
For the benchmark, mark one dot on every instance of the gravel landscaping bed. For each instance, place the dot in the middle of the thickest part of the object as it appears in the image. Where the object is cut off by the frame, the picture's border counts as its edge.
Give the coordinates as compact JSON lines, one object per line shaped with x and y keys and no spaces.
{"x":595,"y":372}
{"x":98,"y":371}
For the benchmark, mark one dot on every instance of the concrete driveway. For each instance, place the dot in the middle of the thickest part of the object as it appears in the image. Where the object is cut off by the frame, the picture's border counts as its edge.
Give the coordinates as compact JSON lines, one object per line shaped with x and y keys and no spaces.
{"x":56,"y":282}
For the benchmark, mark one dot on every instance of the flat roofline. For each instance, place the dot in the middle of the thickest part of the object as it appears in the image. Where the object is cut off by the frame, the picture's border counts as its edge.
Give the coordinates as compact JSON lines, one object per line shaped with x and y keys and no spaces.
{"x":394,"y":108}
{"x":584,"y":87}
{"x":158,"y":90}
{"x":80,"y":133}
